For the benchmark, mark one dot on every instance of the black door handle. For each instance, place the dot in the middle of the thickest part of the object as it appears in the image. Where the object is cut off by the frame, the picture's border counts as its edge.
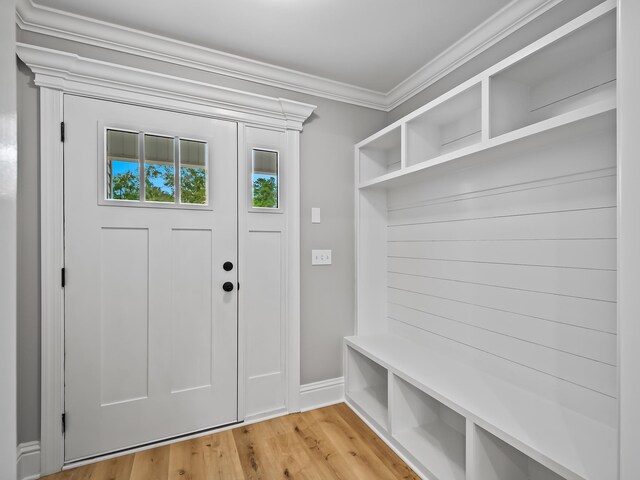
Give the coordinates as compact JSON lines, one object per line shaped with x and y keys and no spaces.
{"x":227,"y":266}
{"x":227,"y":286}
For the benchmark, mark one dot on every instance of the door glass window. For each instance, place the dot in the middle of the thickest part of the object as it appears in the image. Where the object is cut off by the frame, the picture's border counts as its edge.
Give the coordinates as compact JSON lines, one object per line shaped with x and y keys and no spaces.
{"x":122,"y":166}
{"x":193,"y":172}
{"x":159,"y":171}
{"x":265,"y":179}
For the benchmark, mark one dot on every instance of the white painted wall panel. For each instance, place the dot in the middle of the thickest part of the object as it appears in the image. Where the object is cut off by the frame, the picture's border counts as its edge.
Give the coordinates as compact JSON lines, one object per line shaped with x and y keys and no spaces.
{"x":572,"y":282}
{"x":571,"y":225}
{"x":125,"y":314}
{"x":587,"y":313}
{"x":577,"y":192}
{"x":191,"y":346}
{"x":512,"y":265}
{"x":580,"y":341}
{"x":590,"y":374}
{"x":629,"y":300}
{"x":583,"y":253}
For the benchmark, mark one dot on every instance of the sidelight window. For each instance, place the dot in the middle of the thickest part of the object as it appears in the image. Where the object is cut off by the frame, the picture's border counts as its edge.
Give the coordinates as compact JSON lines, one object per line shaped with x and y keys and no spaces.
{"x":264,"y":179}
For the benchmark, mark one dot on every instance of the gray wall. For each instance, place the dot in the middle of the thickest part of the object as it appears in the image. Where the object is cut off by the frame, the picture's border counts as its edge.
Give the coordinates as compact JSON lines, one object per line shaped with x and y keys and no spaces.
{"x":326,"y":181}
{"x":8,"y":173}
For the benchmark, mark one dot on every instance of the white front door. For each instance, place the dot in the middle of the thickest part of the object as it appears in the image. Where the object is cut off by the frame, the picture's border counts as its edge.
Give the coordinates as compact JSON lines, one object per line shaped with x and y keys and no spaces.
{"x":150,"y":222}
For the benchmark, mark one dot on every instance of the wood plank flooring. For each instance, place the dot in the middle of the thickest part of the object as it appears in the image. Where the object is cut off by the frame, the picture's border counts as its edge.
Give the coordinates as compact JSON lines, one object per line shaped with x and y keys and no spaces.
{"x":324,"y":444}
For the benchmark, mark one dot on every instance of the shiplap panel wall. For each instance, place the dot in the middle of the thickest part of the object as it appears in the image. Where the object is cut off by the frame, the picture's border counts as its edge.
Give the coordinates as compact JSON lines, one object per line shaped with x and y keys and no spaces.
{"x":513,"y":265}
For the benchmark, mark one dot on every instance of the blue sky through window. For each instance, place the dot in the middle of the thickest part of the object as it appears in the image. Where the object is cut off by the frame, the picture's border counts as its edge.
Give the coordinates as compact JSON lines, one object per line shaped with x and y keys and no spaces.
{"x":119,"y":167}
{"x":256,"y":176}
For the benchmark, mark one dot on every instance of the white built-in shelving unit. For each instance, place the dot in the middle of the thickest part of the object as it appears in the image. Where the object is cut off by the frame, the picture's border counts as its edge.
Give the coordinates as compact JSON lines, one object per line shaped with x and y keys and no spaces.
{"x":486,"y":339}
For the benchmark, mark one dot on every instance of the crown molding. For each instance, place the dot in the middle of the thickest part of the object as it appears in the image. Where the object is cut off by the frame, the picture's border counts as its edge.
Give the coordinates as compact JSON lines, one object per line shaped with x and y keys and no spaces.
{"x":72,"y":73}
{"x":507,"y":20}
{"x":57,"y":23}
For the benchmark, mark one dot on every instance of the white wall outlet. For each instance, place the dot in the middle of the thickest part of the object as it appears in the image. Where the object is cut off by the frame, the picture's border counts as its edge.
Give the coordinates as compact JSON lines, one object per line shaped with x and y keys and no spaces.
{"x":320,"y":257}
{"x":315,"y":215}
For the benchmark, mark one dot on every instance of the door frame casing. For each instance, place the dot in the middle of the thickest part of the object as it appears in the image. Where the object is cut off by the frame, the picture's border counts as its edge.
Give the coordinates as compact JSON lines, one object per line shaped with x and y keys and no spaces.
{"x":58,"y":73}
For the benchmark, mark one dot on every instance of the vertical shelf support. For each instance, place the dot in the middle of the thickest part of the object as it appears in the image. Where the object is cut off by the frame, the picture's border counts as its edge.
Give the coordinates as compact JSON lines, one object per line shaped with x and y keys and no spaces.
{"x":486,"y":110}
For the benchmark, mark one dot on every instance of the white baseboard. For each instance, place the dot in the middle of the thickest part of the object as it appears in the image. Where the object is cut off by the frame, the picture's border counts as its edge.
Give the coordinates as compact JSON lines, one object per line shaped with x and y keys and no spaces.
{"x":321,"y":394}
{"x":28,"y":461}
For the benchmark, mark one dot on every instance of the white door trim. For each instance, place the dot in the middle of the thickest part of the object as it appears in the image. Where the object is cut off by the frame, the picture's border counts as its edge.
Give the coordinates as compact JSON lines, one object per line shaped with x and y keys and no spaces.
{"x":57,"y":73}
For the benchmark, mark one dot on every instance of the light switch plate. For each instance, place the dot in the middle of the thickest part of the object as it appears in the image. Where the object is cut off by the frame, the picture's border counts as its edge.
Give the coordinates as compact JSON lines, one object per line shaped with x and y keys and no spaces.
{"x":320,"y":257}
{"x":315,"y":215}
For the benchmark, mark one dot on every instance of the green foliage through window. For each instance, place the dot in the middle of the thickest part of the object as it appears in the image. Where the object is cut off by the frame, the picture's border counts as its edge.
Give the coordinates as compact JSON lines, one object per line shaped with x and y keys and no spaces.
{"x":159,"y":183}
{"x":193,"y":185}
{"x":125,"y":186}
{"x":265,"y":191}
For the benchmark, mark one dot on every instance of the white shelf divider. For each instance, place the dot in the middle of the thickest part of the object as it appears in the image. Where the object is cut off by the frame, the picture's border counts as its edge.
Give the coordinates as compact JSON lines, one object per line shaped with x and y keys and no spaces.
{"x":429,"y":431}
{"x":453,"y":124}
{"x":367,"y":387}
{"x":382,"y":154}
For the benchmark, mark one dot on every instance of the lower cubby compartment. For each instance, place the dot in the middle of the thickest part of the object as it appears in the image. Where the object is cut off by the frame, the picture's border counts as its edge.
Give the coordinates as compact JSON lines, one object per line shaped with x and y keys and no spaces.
{"x":429,"y":431}
{"x":367,"y":386}
{"x":495,"y":459}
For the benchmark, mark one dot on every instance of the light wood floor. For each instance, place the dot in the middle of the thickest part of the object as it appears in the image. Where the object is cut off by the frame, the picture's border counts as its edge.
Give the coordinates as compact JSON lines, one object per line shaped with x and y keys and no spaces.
{"x":328,"y":443}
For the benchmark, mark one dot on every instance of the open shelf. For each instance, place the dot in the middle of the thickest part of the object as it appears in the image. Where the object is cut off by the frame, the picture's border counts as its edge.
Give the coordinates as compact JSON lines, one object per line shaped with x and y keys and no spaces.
{"x":576,"y":122}
{"x":429,"y":431}
{"x":577,"y":70}
{"x":496,"y":460}
{"x":367,"y":386}
{"x":449,"y":126}
{"x":380,"y":155}
{"x":548,"y":432}
{"x":565,"y":77}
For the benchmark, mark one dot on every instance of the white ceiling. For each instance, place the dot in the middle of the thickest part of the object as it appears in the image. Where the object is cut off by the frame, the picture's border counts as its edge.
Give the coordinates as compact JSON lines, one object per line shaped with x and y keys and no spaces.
{"x":372,"y":44}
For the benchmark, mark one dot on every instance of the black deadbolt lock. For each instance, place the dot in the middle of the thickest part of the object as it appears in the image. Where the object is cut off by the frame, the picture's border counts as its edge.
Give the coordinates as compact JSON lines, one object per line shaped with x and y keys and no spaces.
{"x":228,"y":266}
{"x":227,"y":286}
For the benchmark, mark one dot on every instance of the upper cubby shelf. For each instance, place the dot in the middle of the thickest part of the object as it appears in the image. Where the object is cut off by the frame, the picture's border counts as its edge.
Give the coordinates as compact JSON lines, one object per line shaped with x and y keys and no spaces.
{"x":565,"y":81}
{"x":381,"y":155}
{"x":577,"y":70}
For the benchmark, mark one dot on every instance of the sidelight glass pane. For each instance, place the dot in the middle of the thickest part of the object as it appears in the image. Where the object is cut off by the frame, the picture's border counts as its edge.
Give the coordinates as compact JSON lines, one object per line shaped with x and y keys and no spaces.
{"x":193,"y":172}
{"x":159,"y":170}
{"x":265,"y":179}
{"x":122,"y":166}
